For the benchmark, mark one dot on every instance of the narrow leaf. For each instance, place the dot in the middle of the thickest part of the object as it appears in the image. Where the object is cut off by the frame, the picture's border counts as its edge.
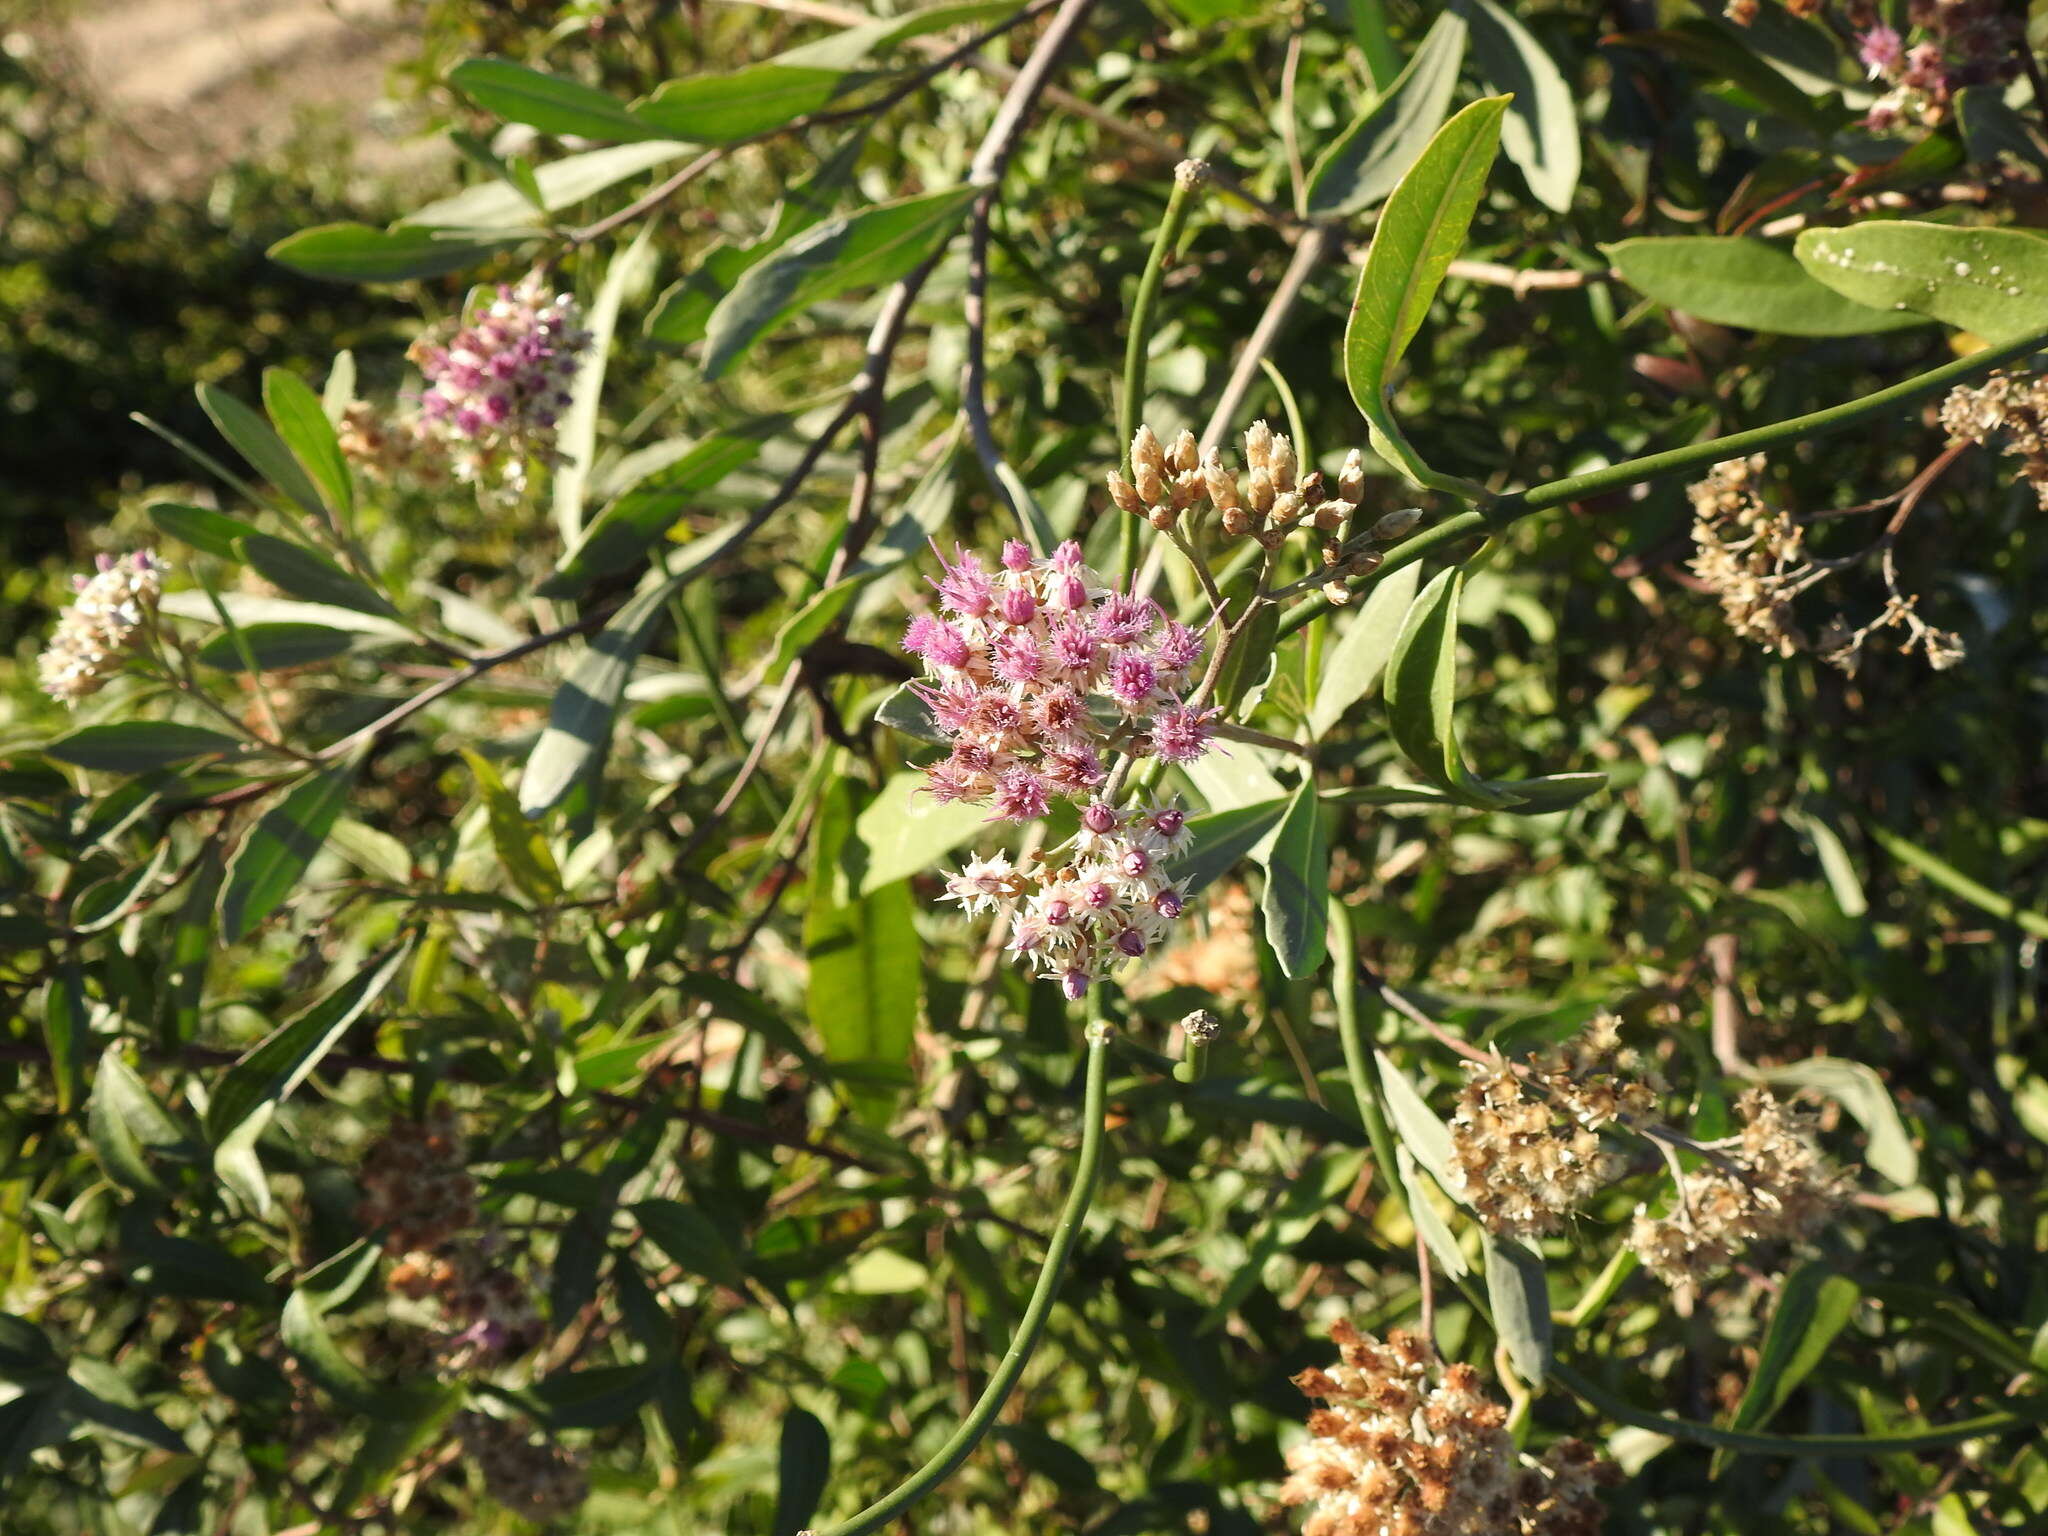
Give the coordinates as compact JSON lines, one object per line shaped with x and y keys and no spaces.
{"x":1296,"y":859}
{"x":362,"y":253}
{"x":139,"y":746}
{"x":547,"y":102}
{"x":296,"y":414}
{"x":803,"y":1467}
{"x":521,"y":846}
{"x":1352,"y":667}
{"x":252,"y":437}
{"x":1369,"y":159}
{"x":1520,"y":1296}
{"x":1814,"y":1304}
{"x":724,"y":109}
{"x":1541,"y":131}
{"x":268,"y":865}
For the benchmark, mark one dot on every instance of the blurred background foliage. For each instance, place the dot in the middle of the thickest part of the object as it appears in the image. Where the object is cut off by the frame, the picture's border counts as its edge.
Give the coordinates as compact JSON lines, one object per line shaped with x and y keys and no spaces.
{"x":741,"y":1281}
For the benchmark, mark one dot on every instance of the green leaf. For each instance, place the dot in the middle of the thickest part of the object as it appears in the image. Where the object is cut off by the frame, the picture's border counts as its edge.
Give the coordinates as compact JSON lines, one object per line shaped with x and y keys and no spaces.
{"x":819,"y":612}
{"x":303,"y":1328}
{"x":1541,"y":132}
{"x":191,"y":945}
{"x":1217,"y":842}
{"x":904,"y":832}
{"x":866,"y":971}
{"x":1736,"y":280}
{"x":1835,"y":861}
{"x":273,"y":857}
{"x":875,"y":246}
{"x":803,"y":1467}
{"x":1859,"y":1090}
{"x":296,"y":413}
{"x":67,"y":1032}
{"x":1992,"y":128}
{"x":1814,"y":1304}
{"x":576,"y":439}
{"x":162,"y":1265}
{"x":213,"y":533}
{"x":550,"y":103}
{"x":1421,"y":685}
{"x":239,"y":1166}
{"x":745,"y":104}
{"x":690,"y":1239}
{"x":850,"y":47}
{"x":139,"y":746}
{"x":308,"y":575}
{"x":1368,"y":160}
{"x":124,"y":1123}
{"x":1519,"y":1294}
{"x":594,"y":1398}
{"x":1420,"y":233}
{"x":1421,"y":1132}
{"x":1352,"y":667}
{"x":1991,"y":282}
{"x":271,"y":1069}
{"x":560,"y":184}
{"x":624,"y":531}
{"x":251,"y":436}
{"x":276,"y":645}
{"x":1429,"y":1221}
{"x":362,"y":253}
{"x":1296,"y":859}
{"x":522,"y":847}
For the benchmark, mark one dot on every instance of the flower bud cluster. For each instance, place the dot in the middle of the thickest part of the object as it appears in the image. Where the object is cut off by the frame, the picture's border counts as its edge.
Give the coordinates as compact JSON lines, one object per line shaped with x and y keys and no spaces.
{"x":1099,"y":900}
{"x":417,"y":1189}
{"x":108,"y":619}
{"x":1525,"y":1143}
{"x":1773,"y":1184}
{"x":1017,"y":658}
{"x":2012,"y":408}
{"x":1957,"y":43}
{"x":1272,"y":498}
{"x":531,"y":1476}
{"x":1409,"y":1445}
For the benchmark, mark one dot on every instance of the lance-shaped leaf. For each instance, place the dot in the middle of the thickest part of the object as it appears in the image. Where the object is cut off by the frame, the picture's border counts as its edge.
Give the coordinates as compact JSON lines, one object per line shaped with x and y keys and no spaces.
{"x":215,"y":533}
{"x":547,"y":102}
{"x":125,"y":1123}
{"x":1368,"y":160}
{"x":803,"y":1466}
{"x":722,"y":109}
{"x":1352,"y":667}
{"x":521,"y":845}
{"x":905,"y":831}
{"x":139,"y":746}
{"x":255,"y":440}
{"x":877,"y":245}
{"x":1421,"y":687}
{"x":576,"y":437}
{"x":362,"y":253}
{"x":1420,"y":232}
{"x":1736,"y":280}
{"x":559,"y":184}
{"x":865,"y":968}
{"x":1814,"y":1304}
{"x":1520,"y":1296}
{"x":299,"y":420}
{"x":1541,"y":132}
{"x":1296,"y":859}
{"x":283,"y":1059}
{"x":1992,"y":282}
{"x":268,"y":865}
{"x":307,"y":574}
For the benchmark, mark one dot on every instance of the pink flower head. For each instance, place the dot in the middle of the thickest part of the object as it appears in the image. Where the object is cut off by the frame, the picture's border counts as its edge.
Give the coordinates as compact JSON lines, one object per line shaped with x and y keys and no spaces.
{"x":1074,"y":984}
{"x":1060,"y":711}
{"x":1096,"y":895}
{"x":1168,"y":822}
{"x":1072,"y":644}
{"x":937,"y":642}
{"x":1016,"y":555}
{"x":952,"y":705}
{"x":1169,"y":903}
{"x":948,"y":781}
{"x":1075,"y":770}
{"x":965,"y":588}
{"x":1027,"y":937}
{"x":1066,"y":593}
{"x":1925,"y":69}
{"x":1181,"y":734}
{"x":1017,"y":658}
{"x":1100,"y":817}
{"x":1131,"y":679}
{"x":1123,"y":619}
{"x":1135,"y":864}
{"x":1020,"y":796}
{"x":1017,"y":606}
{"x":1067,"y":559}
{"x":1179,"y":647}
{"x":1881,"y":49}
{"x":1130,"y":942}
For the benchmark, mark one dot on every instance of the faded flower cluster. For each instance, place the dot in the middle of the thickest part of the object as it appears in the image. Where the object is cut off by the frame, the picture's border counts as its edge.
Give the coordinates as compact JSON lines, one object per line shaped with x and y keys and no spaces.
{"x":417,"y":1190}
{"x":2012,"y":408}
{"x":1525,"y":1140}
{"x":528,"y":1474}
{"x":108,"y":619}
{"x":1408,"y":1446}
{"x":1753,"y":558}
{"x":1772,"y":1184}
{"x":1101,"y":899}
{"x":1271,"y":500}
{"x":1015,"y":658}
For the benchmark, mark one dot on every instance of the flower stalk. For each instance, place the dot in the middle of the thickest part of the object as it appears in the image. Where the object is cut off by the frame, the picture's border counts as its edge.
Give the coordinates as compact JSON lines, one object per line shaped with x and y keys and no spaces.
{"x":1187,"y":176}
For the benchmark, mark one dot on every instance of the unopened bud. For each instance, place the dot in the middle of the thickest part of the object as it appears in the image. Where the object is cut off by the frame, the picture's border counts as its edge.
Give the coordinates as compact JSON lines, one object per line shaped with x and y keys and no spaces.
{"x":1330,"y":515}
{"x":1270,"y":538}
{"x":1124,"y":494}
{"x":1200,"y":1027}
{"x":1332,"y":551}
{"x":1236,"y":521}
{"x":1336,"y":593}
{"x":1222,"y":484}
{"x":1160,"y":518}
{"x":1395,"y":525}
{"x":1258,"y":489}
{"x":1186,"y":454}
{"x":1148,"y":466}
{"x":1191,"y":173}
{"x":1282,"y":463}
{"x":1351,"y":478}
{"x":1311,"y":487}
{"x":1364,"y":562}
{"x":1287,"y":509}
{"x":1185,"y":489}
{"x":1258,"y":445}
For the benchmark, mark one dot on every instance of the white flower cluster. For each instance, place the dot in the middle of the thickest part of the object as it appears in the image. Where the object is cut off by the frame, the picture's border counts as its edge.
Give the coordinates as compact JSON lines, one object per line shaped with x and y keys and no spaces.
{"x":101,"y":627}
{"x":1111,"y":902}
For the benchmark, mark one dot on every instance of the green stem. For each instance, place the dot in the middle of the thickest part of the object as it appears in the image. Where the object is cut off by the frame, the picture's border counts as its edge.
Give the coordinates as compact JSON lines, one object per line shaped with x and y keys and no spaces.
{"x":1674,"y":461}
{"x":1036,"y":1312}
{"x":1138,"y":343}
{"x":1623,"y":1412}
{"x":1956,"y":883}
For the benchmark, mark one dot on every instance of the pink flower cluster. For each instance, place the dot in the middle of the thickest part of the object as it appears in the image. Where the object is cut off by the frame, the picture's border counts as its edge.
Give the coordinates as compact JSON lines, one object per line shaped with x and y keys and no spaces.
{"x":1962,"y":42}
{"x":496,"y":388}
{"x":1112,"y":901}
{"x":1016,"y":658}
